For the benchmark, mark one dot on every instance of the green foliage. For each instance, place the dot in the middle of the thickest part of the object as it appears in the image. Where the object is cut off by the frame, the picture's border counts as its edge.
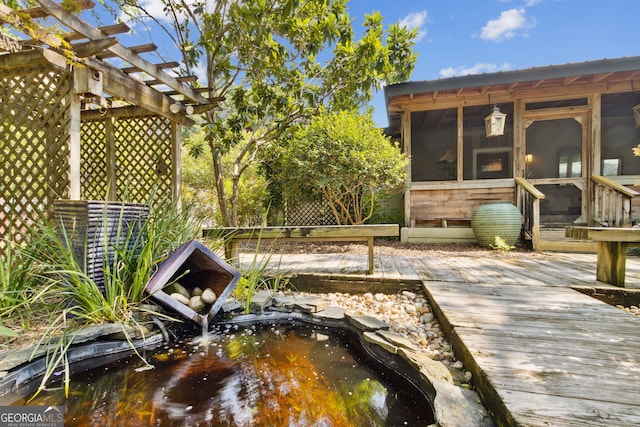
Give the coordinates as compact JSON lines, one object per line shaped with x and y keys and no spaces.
{"x":254,"y":278}
{"x":135,"y":253}
{"x":347,"y":160}
{"x":79,"y":299}
{"x":200,"y":188}
{"x":18,"y":279}
{"x":44,"y":31}
{"x":276,"y":63}
{"x":388,"y":209}
{"x":7,"y":332}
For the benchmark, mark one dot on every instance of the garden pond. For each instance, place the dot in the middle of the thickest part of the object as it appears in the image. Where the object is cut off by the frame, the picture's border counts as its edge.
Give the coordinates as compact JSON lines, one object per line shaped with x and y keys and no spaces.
{"x":278,"y":374}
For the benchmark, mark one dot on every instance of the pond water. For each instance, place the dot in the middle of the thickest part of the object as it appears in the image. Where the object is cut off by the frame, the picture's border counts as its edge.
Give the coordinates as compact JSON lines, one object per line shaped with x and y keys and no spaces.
{"x":282,"y":375}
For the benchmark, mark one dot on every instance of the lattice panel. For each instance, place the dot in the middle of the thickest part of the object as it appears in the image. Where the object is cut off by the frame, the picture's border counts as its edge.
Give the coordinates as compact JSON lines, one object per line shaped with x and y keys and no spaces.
{"x":141,"y":154}
{"x":143,"y":157}
{"x":94,"y":182}
{"x":309,"y":213}
{"x":34,"y":130}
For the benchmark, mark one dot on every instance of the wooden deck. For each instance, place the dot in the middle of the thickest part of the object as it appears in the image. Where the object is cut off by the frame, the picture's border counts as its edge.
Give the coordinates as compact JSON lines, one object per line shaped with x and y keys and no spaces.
{"x":542,"y":353}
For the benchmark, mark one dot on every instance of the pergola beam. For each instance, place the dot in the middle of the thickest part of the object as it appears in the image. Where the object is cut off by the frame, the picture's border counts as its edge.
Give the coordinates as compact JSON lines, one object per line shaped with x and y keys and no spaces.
{"x":159,"y":66}
{"x":39,"y":12}
{"x":121,"y":86}
{"x":78,"y":25}
{"x":115,"y":112}
{"x":173,"y":92}
{"x":143,"y":48}
{"x":93,"y":47}
{"x":108,"y":30}
{"x":33,"y":57}
{"x":181,"y":79}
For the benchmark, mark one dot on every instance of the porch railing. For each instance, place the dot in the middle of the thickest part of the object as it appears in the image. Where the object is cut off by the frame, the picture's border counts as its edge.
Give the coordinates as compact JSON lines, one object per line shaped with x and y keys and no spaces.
{"x":612,"y":202}
{"x":528,"y":201}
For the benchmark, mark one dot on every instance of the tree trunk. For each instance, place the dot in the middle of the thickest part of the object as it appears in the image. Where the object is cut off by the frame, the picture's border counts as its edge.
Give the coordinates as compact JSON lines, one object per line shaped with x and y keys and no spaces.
{"x":235,"y":193}
{"x":220,"y":191}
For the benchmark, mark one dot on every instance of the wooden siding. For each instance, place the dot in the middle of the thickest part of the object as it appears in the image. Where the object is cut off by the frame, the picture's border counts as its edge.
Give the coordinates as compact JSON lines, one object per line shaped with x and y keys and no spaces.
{"x":454,"y":204}
{"x":635,"y":204}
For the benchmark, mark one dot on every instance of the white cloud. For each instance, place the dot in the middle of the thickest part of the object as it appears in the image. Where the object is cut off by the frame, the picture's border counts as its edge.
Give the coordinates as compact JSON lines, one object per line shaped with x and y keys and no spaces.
{"x":200,"y":71}
{"x":416,"y":20}
{"x":156,"y":9}
{"x":475,"y":69}
{"x":507,"y":25}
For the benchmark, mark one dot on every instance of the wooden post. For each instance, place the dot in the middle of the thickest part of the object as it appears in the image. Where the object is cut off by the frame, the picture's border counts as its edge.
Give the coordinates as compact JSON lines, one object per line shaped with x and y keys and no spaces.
{"x":370,"y":242}
{"x":232,"y":251}
{"x":111,"y":159}
{"x":176,"y":164}
{"x":74,"y":147}
{"x":595,"y":159}
{"x":535,"y":226}
{"x":611,"y":264}
{"x":460,"y":144}
{"x":406,"y":143}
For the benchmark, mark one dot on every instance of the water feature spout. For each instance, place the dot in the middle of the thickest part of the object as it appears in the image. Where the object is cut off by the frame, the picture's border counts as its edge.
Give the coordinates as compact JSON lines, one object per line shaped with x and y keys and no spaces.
{"x":195,"y":273}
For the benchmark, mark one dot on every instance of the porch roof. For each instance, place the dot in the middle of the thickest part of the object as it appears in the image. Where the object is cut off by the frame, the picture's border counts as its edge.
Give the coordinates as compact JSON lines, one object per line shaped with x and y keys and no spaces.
{"x":505,"y":82}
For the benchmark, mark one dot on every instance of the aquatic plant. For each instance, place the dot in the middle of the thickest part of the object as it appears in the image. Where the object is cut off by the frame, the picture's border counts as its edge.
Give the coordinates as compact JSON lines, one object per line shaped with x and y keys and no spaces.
{"x":254,"y":277}
{"x":130,"y":257}
{"x":21,"y":282}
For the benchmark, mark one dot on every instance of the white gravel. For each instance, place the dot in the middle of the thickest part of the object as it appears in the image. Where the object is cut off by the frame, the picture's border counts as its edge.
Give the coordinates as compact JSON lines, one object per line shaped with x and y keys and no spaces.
{"x":407,"y":314}
{"x":631,"y":309}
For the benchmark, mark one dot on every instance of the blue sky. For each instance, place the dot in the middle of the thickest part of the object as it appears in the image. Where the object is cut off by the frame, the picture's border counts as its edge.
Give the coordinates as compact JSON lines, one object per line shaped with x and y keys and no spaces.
{"x":460,"y":37}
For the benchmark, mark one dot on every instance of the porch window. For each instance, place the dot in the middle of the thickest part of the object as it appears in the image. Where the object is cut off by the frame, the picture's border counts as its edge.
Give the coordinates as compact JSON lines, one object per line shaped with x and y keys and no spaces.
{"x":570,"y":163}
{"x":486,"y":157}
{"x":619,"y":134}
{"x":433,"y":145}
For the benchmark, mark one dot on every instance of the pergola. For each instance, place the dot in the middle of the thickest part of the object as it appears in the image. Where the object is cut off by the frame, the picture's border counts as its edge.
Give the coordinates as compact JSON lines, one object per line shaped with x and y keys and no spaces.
{"x":75,"y":126}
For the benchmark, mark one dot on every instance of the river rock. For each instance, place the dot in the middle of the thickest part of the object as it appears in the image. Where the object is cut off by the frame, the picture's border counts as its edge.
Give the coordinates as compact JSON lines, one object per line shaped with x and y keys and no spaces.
{"x":180,"y":298}
{"x":196,"y":304}
{"x":208,"y":296}
{"x":177,"y":287}
{"x":427,"y":318}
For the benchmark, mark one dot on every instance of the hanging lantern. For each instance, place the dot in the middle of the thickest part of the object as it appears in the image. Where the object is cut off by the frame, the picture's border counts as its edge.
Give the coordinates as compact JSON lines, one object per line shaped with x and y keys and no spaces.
{"x":636,"y":115}
{"x":494,"y":122}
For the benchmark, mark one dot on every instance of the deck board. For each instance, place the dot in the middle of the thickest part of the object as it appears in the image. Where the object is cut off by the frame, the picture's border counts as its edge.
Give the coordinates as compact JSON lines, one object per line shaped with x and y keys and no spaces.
{"x":541,"y":353}
{"x":549,"y":344}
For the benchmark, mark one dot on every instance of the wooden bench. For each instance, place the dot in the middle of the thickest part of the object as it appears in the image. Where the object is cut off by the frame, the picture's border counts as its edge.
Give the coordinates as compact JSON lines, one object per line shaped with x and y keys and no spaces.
{"x":612,"y":249}
{"x":336,"y":233}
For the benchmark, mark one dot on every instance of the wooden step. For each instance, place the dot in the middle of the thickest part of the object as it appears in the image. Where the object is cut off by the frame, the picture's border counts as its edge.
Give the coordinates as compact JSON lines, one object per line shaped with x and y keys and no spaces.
{"x":552,"y":239}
